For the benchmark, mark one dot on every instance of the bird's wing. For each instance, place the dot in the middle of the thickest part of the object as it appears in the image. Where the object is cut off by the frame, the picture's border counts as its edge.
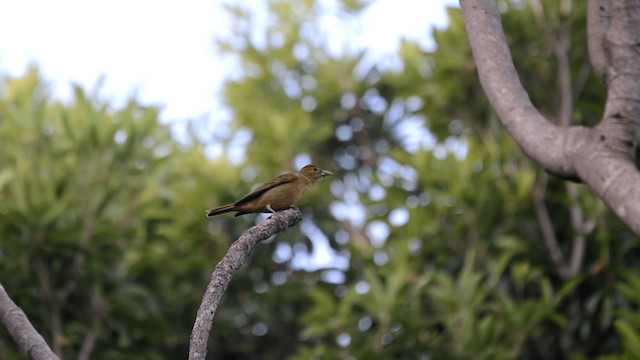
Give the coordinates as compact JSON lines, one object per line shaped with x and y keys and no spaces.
{"x":282,"y":179}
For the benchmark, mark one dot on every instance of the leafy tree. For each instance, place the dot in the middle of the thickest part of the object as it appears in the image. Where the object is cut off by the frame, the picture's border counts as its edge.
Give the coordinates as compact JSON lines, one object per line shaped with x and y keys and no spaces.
{"x":411,"y":203}
{"x":444,"y":240}
{"x":99,"y":208}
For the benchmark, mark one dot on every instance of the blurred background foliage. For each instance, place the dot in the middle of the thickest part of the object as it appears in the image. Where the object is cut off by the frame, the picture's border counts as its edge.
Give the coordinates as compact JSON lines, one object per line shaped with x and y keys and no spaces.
{"x":435,"y":238}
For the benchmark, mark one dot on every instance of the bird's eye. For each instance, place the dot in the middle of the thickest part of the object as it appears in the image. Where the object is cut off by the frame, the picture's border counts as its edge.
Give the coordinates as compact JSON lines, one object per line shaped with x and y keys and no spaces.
{"x":316,"y":169}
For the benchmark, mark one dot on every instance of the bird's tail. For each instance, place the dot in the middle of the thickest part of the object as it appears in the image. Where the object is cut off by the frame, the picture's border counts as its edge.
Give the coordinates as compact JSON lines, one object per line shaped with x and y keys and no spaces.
{"x":220,"y":210}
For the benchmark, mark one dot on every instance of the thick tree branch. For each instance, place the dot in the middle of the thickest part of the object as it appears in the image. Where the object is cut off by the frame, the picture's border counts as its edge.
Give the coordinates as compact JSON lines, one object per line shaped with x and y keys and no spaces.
{"x":230,"y":263}
{"x":607,"y":165}
{"x":603,"y":157}
{"x":547,"y":144}
{"x":28,"y":339}
{"x":598,"y":22}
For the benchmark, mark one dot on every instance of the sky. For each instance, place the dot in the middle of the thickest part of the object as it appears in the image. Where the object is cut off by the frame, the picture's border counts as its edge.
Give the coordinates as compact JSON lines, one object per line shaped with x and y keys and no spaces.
{"x":163,"y":51}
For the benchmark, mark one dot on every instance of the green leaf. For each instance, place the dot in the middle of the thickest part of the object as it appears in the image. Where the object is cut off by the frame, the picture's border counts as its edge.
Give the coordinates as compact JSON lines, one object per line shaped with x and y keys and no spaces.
{"x":630,"y":338}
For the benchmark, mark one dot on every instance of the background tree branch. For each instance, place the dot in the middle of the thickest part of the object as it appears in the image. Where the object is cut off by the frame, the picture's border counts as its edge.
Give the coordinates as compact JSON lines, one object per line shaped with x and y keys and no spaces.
{"x":598,"y":22}
{"x":230,"y":263}
{"x":603,"y":157}
{"x":23,"y":333}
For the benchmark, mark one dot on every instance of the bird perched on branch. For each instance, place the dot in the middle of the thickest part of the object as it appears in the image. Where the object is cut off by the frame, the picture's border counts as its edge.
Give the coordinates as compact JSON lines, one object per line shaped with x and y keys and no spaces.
{"x":276,"y":194}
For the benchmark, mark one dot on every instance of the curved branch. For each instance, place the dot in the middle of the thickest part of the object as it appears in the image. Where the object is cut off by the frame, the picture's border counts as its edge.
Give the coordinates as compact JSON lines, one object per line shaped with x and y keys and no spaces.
{"x":549,"y":145}
{"x":28,"y":339}
{"x":230,"y":263}
{"x":603,"y":157}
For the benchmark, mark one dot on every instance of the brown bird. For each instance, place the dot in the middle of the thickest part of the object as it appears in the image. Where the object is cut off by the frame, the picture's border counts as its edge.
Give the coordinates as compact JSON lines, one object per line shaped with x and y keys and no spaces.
{"x":276,"y":194}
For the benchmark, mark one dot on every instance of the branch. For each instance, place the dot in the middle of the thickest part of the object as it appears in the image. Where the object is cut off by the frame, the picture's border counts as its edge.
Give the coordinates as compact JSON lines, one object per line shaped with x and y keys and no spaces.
{"x":547,"y":144}
{"x":546,"y":226}
{"x":581,"y":229}
{"x":28,"y":339}
{"x":565,"y":110}
{"x":598,"y":22}
{"x":98,"y":312}
{"x":561,"y":53}
{"x":608,"y":165}
{"x":54,"y":303}
{"x":603,"y":157}
{"x":230,"y":263}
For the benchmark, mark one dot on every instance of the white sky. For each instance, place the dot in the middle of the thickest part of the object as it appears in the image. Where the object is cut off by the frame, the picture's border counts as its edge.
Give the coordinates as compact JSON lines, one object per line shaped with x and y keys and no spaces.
{"x":163,"y":51}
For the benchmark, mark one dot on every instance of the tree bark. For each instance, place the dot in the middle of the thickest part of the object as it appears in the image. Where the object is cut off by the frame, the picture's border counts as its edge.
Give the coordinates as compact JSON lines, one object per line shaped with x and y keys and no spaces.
{"x":28,"y":339}
{"x":230,"y":263}
{"x":603,"y":158}
{"x":598,"y":22}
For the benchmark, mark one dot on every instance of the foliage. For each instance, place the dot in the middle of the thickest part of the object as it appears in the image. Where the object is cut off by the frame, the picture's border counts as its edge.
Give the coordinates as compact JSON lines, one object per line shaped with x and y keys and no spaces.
{"x":95,"y":202}
{"x":427,"y":177}
{"x":425,"y":244}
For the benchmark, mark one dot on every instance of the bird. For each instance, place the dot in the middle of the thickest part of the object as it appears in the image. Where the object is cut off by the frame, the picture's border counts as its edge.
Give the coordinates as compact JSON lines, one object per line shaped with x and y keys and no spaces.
{"x":277,"y":194}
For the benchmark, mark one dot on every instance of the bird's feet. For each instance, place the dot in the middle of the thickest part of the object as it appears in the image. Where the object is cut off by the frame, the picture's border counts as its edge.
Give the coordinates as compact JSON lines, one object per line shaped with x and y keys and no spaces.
{"x":273,"y":211}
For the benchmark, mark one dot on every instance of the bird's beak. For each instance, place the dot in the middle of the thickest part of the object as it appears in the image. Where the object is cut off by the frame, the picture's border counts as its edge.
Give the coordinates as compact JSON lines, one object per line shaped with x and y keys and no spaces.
{"x":325,"y":173}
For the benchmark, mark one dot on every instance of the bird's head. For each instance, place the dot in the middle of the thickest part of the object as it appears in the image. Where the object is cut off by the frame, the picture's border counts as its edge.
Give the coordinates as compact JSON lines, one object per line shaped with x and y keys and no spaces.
{"x":315,"y":173}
